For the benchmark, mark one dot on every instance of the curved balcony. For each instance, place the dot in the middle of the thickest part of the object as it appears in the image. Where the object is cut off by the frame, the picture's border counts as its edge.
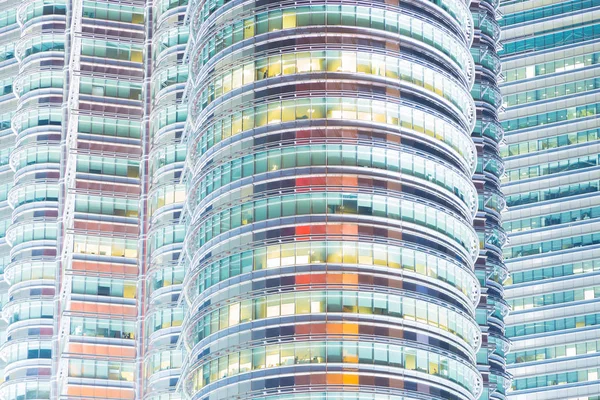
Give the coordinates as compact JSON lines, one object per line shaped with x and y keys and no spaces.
{"x":493,"y":165}
{"x":314,"y":365}
{"x":166,"y":118}
{"x":39,"y":45}
{"x":168,"y":39}
{"x":162,"y":367}
{"x":167,"y":80}
{"x":38,"y":390}
{"x":162,"y":324}
{"x":408,"y":72}
{"x":488,"y":93}
{"x":166,"y":197}
{"x":33,"y":193}
{"x":494,"y":202}
{"x":398,"y":116}
{"x":487,"y":25}
{"x":23,"y":354}
{"x":24,"y":313}
{"x":36,"y":121}
{"x":166,"y":165}
{"x":35,"y":11}
{"x":34,"y":82}
{"x":169,"y":8}
{"x":387,"y":207}
{"x":487,"y":60}
{"x":491,"y":129}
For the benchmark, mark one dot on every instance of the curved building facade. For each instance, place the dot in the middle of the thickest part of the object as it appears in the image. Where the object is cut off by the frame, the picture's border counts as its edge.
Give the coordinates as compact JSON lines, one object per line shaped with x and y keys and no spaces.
{"x":487,"y":135}
{"x":34,"y":198}
{"x":330,"y":247}
{"x":9,"y":34}
{"x":166,"y":196}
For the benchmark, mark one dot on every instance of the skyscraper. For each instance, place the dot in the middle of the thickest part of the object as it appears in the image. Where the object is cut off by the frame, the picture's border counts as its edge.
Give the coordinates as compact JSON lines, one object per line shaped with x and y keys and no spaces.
{"x":74,"y":264}
{"x":256,"y":199}
{"x":487,"y":135}
{"x":330,"y":247}
{"x":550,"y":62}
{"x":9,"y":32}
{"x":162,"y":310}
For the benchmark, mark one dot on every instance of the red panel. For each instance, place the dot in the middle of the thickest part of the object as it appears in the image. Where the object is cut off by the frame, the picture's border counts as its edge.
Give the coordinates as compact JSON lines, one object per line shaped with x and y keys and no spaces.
{"x":303,"y":279}
{"x":303,"y":230}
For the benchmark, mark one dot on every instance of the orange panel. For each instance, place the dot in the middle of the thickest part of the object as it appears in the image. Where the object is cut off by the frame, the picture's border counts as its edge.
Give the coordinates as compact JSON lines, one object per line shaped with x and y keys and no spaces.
{"x":100,"y":392}
{"x":335,"y":379}
{"x":397,"y":186}
{"x":350,"y":278}
{"x":350,"y":133}
{"x":350,"y":328}
{"x":349,"y":229}
{"x":99,"y":308}
{"x":397,"y":333}
{"x":74,"y":348}
{"x":350,"y":180}
{"x":334,"y":229}
{"x":100,"y":350}
{"x":334,"y":181}
{"x":350,"y":379}
{"x":113,"y":268}
{"x":303,"y":230}
{"x":397,"y":383}
{"x":303,"y":279}
{"x":334,"y":278}
{"x":392,"y":234}
{"x":312,"y":181}
{"x":395,"y":283}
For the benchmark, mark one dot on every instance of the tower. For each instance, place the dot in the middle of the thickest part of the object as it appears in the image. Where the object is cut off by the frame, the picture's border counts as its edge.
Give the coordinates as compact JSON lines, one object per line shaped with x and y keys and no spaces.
{"x":330,"y":247}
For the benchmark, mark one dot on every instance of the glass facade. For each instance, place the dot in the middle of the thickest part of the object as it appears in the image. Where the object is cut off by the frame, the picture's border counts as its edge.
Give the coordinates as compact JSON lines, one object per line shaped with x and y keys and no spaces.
{"x":550,"y":62}
{"x":488,"y":135}
{"x":33,"y":197}
{"x":9,"y":34}
{"x":260,"y":199}
{"x":72,"y":203}
{"x":329,"y":242}
{"x":103,"y":181}
{"x":165,"y":197}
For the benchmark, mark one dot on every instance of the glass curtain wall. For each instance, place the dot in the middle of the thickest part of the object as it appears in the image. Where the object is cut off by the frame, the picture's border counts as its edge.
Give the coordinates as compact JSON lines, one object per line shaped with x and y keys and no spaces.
{"x":97,"y":348}
{"x":9,"y":34}
{"x":487,"y":135}
{"x":329,"y":213}
{"x":166,"y":195}
{"x":33,"y":233}
{"x":550,"y":61}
